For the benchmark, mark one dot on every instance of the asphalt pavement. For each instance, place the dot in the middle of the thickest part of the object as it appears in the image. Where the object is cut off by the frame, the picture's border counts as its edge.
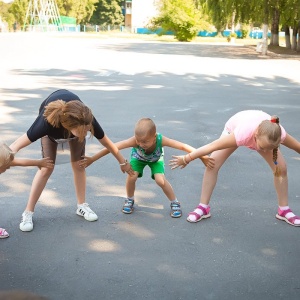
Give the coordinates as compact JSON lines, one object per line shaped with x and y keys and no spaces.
{"x":189,"y":90}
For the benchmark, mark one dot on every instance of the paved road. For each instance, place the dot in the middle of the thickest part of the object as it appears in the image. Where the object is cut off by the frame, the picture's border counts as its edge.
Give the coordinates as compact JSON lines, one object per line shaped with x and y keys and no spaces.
{"x":189,"y":90}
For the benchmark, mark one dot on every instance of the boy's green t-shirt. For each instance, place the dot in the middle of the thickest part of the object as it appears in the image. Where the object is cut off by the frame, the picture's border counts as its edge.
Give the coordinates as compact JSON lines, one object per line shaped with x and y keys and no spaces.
{"x":139,"y":153}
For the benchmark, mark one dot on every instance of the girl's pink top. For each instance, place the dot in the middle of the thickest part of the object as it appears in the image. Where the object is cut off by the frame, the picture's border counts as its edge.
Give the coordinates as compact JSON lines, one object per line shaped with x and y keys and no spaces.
{"x":244,"y":124}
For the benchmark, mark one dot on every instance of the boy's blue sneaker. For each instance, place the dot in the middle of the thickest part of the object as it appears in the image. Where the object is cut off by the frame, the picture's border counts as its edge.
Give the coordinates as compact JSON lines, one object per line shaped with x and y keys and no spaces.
{"x":128,"y":206}
{"x":175,"y":210}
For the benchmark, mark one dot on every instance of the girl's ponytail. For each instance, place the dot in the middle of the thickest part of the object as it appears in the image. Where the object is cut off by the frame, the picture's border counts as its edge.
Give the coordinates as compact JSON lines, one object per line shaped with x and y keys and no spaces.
{"x":54,"y":112}
{"x":272,"y":130}
{"x":70,"y":115}
{"x":277,"y":172}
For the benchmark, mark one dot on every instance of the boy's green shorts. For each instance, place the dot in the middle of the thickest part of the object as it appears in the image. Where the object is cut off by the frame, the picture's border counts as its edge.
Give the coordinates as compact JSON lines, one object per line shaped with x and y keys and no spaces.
{"x":157,"y":167}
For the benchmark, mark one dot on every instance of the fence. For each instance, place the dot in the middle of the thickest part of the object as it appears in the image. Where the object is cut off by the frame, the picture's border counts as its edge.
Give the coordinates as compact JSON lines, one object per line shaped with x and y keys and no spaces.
{"x":104,"y":28}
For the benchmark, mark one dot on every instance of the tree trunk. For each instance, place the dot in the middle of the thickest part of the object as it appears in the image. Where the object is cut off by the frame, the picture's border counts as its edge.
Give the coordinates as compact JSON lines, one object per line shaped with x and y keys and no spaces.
{"x":287,"y":37}
{"x":275,"y":28}
{"x":294,"y":38}
{"x":265,"y":28}
{"x":298,"y":41}
{"x":232,"y":22}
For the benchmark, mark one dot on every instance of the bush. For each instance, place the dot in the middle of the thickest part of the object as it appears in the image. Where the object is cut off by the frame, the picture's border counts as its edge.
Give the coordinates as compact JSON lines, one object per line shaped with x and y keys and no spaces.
{"x":244,"y":33}
{"x":180,"y":17}
{"x":231,"y":36}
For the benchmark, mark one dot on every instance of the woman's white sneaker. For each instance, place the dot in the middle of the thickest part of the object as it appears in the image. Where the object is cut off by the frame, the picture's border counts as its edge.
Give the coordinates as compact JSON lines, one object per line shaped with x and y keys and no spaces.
{"x":84,"y":210}
{"x":26,"y":221}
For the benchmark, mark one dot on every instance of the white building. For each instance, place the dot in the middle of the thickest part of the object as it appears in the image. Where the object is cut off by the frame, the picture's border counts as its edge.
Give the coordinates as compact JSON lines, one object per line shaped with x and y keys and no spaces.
{"x":139,"y":12}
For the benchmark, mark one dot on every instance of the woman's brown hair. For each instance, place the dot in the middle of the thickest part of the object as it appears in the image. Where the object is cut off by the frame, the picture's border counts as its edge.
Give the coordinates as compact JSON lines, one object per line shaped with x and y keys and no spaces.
{"x":272,"y":130}
{"x":69,"y":115}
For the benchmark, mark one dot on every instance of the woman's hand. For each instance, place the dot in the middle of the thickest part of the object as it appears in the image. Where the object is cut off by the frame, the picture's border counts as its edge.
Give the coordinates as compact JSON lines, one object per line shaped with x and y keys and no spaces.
{"x":126,"y":168}
{"x":86,"y":161}
{"x":178,"y":161}
{"x":46,"y":163}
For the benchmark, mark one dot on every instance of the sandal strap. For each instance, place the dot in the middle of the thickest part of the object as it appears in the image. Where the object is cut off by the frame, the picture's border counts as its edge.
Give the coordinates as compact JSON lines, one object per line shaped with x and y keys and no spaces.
{"x":285,"y":212}
{"x":3,"y":232}
{"x":292,"y":219}
{"x":175,"y":206}
{"x":194,"y":214}
{"x":204,"y":210}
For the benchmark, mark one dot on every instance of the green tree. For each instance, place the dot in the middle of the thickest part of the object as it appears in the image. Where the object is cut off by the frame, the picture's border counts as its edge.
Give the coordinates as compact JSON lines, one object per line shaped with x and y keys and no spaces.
{"x":5,"y":16}
{"x":183,"y":18}
{"x":277,"y":13}
{"x":290,"y":18}
{"x":223,"y":13}
{"x":18,"y":9}
{"x":108,"y":12}
{"x":82,"y":10}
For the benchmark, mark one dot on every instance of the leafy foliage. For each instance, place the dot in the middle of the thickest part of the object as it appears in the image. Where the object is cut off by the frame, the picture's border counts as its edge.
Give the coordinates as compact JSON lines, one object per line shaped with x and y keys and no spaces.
{"x":180,"y":17}
{"x":82,"y":10}
{"x":18,"y":9}
{"x":108,"y":12}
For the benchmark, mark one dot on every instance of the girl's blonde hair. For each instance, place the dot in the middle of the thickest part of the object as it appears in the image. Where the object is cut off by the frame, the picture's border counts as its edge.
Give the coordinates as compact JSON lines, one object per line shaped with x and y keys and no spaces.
{"x":69,"y":115}
{"x":144,"y":127}
{"x":6,"y":155}
{"x":272,"y":130}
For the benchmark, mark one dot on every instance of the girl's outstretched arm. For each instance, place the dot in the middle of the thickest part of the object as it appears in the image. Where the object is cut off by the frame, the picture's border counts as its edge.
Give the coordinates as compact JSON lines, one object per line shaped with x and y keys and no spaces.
{"x":207,"y":161}
{"x":291,"y":143}
{"x":224,"y":142}
{"x":26,"y":162}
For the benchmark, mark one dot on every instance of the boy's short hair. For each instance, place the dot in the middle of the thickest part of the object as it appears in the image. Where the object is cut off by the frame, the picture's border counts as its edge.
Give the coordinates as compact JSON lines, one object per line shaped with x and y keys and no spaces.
{"x":6,"y":155}
{"x":144,"y":127}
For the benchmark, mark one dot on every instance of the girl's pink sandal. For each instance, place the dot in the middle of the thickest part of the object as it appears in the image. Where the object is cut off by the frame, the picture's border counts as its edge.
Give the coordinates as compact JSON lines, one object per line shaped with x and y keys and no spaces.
{"x":281,"y":215}
{"x":206,"y":214}
{"x":3,"y":233}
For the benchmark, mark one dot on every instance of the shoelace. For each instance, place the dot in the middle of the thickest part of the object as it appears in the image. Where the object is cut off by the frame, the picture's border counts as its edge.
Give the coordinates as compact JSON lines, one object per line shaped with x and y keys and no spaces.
{"x":27,"y":218}
{"x":86,"y":207}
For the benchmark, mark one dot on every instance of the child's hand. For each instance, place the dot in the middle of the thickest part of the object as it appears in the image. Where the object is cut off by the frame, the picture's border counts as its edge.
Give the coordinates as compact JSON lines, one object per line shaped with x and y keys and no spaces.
{"x":209,"y":162}
{"x":85,"y":162}
{"x":46,"y":163}
{"x":177,"y":161}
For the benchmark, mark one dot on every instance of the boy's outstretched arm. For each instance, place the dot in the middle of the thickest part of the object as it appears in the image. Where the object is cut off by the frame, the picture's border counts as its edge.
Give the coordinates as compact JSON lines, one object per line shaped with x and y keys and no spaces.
{"x":26,"y":162}
{"x":88,"y":160}
{"x":207,"y":161}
